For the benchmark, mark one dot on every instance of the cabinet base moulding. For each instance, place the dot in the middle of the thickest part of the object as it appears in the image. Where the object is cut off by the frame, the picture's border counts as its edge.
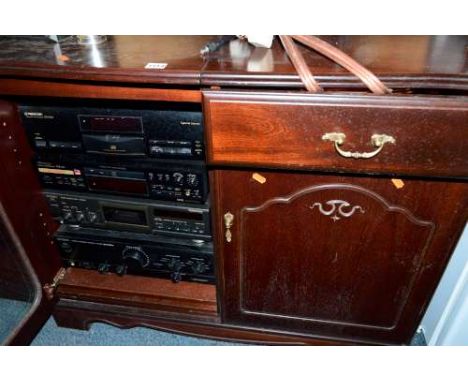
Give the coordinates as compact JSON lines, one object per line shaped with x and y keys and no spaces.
{"x":81,"y":315}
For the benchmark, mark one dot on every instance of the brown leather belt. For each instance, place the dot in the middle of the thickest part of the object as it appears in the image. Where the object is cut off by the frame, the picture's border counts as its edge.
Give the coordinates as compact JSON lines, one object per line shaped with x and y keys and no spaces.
{"x":367,"y":77}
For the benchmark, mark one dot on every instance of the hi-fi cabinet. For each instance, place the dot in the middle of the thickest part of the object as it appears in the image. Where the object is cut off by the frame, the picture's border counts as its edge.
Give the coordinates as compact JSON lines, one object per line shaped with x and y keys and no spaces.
{"x":232,"y":205}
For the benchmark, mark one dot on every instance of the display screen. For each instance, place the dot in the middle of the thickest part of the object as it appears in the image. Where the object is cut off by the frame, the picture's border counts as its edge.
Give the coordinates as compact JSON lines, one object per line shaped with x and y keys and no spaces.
{"x":111,"y":124}
{"x":124,"y":186}
{"x":124,"y":215}
{"x":175,"y":214}
{"x":114,"y":144}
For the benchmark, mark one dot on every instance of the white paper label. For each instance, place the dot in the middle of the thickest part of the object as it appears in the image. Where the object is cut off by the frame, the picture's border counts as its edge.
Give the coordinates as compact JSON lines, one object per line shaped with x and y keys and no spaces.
{"x":156,"y":65}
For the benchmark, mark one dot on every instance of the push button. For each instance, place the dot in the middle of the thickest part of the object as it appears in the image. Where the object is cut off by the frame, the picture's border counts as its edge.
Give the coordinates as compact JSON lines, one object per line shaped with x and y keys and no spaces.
{"x":40,"y":144}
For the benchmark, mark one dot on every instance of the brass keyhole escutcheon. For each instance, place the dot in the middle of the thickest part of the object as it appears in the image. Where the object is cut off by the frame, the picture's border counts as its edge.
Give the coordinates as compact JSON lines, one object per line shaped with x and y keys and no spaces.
{"x":228,"y":221}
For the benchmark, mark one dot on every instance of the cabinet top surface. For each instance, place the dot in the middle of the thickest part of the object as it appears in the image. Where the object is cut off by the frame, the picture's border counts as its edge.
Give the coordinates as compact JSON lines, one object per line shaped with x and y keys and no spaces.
{"x":119,"y":58}
{"x":430,"y":61}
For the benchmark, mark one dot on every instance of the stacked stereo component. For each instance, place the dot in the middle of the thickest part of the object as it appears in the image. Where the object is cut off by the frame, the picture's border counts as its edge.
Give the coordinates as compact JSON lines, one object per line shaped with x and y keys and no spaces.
{"x":128,"y":185}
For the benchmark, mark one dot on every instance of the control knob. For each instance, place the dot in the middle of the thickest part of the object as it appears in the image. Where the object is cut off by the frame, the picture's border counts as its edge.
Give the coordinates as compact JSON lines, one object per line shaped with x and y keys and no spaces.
{"x":178,"y":177}
{"x":192,"y":180}
{"x":103,"y":268}
{"x":198,"y":267}
{"x":176,"y":277}
{"x":92,"y":217}
{"x":80,"y":217}
{"x":135,"y":257}
{"x":67,"y":216}
{"x":121,"y":269}
{"x":176,"y":266}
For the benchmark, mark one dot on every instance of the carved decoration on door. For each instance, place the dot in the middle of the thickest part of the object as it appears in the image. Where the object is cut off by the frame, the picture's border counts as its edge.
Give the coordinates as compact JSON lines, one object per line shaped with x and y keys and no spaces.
{"x":337,"y":209}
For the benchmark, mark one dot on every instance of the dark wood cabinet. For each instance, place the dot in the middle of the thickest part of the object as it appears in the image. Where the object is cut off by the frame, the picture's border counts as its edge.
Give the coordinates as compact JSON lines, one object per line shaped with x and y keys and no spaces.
{"x":336,"y":256}
{"x":333,"y":214}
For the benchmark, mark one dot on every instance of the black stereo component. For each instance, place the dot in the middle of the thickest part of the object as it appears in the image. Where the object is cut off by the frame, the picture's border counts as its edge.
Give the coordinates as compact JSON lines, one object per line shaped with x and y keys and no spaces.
{"x":162,"y":181}
{"x":114,"y":144}
{"x":130,"y":214}
{"x":107,"y":253}
{"x":158,"y":131}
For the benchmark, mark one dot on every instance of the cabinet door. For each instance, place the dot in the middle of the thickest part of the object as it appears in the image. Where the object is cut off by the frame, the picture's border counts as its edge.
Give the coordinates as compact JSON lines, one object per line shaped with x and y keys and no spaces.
{"x":351,"y":258}
{"x":28,"y":258}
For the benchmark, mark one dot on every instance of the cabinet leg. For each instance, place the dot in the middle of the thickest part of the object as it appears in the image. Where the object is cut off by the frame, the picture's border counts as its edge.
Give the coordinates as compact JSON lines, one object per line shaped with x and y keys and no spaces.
{"x":71,"y":319}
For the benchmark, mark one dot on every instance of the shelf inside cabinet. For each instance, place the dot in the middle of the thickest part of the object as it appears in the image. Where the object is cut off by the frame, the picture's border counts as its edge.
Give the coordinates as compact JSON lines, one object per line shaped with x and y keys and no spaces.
{"x":138,"y":291}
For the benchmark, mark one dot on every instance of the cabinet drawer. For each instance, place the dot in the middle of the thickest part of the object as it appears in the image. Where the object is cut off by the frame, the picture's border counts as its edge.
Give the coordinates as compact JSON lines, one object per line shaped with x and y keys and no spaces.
{"x":418,"y":135}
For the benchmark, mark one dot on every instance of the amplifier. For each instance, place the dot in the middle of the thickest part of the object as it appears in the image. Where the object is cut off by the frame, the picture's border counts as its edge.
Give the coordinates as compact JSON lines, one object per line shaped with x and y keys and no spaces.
{"x":129,"y":214}
{"x":106,"y":253}
{"x":155,"y":130}
{"x":179,"y":182}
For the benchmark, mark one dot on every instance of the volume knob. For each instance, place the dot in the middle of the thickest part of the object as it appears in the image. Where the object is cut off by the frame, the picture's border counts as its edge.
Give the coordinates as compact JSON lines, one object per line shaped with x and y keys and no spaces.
{"x":135,"y":257}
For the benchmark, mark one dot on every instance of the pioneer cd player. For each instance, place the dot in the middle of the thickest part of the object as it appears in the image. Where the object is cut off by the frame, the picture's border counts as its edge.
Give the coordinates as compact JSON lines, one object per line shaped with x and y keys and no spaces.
{"x":148,"y":130}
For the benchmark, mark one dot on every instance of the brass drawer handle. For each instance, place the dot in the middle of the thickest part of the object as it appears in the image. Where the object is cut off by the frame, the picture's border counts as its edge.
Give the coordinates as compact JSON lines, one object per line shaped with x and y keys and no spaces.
{"x":228,"y":220}
{"x":377,"y":140}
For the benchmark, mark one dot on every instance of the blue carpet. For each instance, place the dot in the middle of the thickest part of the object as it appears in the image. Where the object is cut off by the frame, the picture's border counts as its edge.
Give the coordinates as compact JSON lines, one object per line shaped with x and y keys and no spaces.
{"x":102,"y":334}
{"x":11,"y":314}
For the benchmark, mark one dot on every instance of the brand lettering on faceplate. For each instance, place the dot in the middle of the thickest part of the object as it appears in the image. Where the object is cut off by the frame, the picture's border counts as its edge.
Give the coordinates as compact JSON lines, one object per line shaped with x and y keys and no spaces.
{"x":189,"y":123}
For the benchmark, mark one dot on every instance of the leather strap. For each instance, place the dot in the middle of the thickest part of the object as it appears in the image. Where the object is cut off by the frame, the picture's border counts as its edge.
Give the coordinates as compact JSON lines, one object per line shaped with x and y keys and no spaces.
{"x":300,"y":65}
{"x":367,"y":77}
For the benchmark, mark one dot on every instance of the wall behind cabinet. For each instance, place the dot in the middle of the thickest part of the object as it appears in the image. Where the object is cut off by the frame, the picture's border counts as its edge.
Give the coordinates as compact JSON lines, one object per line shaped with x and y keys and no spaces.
{"x":446,"y":319}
